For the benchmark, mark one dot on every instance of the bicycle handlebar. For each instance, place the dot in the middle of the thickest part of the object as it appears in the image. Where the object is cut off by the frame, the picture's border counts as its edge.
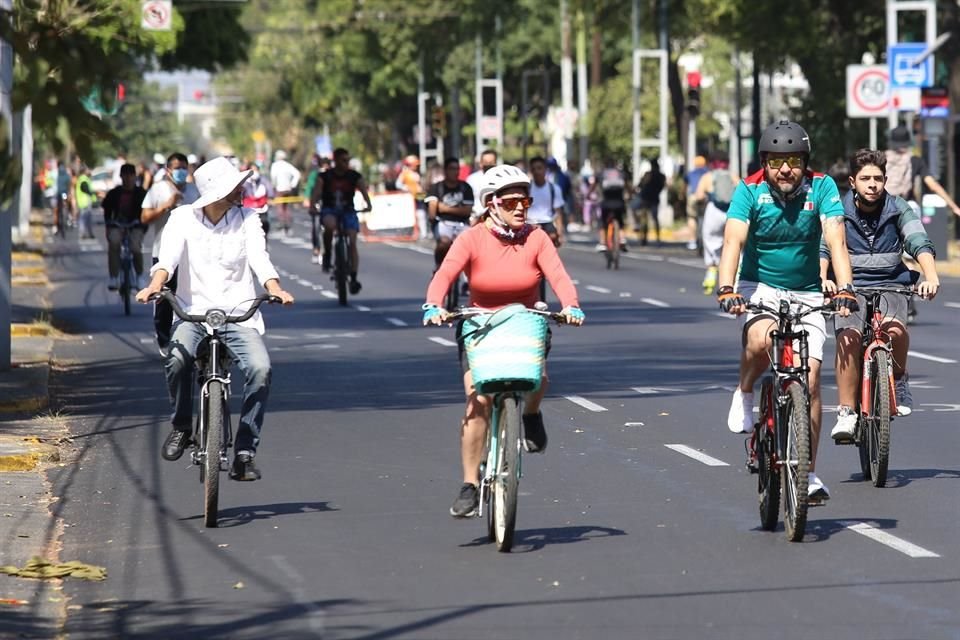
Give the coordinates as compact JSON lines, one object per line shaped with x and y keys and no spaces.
{"x":167,"y":294}
{"x":904,"y":291}
{"x":786,"y":310}
{"x":468,"y":312}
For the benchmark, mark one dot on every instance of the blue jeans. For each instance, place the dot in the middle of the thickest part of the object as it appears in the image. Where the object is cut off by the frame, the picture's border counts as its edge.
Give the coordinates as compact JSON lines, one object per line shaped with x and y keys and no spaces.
{"x":247,"y":346}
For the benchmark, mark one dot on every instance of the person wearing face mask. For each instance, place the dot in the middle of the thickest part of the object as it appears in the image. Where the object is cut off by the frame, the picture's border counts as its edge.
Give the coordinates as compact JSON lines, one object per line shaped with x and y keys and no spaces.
{"x":220,"y":250}
{"x":168,"y":192}
{"x":257,"y":191}
{"x":504,"y":257}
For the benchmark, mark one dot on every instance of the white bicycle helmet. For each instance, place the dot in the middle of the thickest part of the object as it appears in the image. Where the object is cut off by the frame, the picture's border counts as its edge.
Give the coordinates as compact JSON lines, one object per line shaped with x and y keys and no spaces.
{"x":501,"y":177}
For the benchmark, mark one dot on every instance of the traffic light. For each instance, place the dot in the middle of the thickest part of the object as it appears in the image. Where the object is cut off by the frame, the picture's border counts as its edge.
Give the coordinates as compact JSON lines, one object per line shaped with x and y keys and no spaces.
{"x":121,"y":92}
{"x":439,"y":122}
{"x":693,"y":101}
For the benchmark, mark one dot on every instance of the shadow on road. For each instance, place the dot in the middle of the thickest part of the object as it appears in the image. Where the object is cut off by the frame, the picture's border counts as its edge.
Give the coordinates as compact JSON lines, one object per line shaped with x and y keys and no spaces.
{"x":236,"y":516}
{"x":527,"y":540}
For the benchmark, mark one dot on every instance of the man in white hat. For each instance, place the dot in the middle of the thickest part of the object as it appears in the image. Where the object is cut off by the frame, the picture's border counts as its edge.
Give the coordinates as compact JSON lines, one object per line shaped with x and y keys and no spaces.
{"x":219,"y":248}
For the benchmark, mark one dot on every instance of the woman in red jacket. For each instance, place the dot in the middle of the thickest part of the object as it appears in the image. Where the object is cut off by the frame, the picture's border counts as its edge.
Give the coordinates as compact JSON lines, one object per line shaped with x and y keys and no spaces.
{"x":504,"y":258}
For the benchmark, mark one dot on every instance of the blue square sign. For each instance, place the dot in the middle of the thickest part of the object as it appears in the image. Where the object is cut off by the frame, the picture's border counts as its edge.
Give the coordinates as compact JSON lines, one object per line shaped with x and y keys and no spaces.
{"x":903,"y":70}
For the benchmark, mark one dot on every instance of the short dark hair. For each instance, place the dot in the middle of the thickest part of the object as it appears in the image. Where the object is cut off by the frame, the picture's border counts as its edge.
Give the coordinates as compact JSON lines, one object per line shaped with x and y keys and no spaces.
{"x":128,"y":169}
{"x":492,"y":152}
{"x":451,"y":160}
{"x":340,"y":151}
{"x":539,"y":159}
{"x":177,"y":156}
{"x":864,"y":157}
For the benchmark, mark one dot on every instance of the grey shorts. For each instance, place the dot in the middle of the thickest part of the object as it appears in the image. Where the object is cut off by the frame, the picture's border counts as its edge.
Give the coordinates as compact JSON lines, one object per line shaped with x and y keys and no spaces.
{"x":892,"y":306}
{"x":450,"y":228}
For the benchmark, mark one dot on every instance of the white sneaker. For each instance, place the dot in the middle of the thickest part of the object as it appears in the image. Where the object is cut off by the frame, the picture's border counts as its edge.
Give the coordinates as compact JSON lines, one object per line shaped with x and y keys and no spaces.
{"x":816,"y":490}
{"x":740,"y":417}
{"x":600,"y":247}
{"x":846,"y":425}
{"x":315,"y":259}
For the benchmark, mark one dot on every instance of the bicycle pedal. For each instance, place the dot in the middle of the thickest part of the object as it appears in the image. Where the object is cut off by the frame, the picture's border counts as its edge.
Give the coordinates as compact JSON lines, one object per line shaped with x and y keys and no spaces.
{"x":844,"y":441}
{"x":752,"y":466}
{"x":817,"y":502}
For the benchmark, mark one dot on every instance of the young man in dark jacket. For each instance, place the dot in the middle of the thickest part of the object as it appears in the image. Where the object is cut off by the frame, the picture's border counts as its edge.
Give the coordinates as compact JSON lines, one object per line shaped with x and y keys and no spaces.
{"x":880,"y":227}
{"x":121,"y":208}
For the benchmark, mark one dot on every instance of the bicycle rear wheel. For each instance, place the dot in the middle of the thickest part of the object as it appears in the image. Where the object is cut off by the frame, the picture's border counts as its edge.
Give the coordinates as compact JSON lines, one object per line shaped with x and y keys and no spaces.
{"x":340,"y":270}
{"x":213,"y":442}
{"x":768,"y":481}
{"x":795,"y":463}
{"x":506,"y":482}
{"x":878,"y":426}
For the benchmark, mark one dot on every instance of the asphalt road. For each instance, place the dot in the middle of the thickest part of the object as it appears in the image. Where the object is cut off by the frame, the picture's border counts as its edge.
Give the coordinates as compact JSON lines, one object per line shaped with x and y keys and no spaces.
{"x":640,"y":521}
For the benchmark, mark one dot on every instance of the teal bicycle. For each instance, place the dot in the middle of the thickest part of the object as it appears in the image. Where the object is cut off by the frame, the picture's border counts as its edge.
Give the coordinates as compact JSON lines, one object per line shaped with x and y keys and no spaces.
{"x":506,"y":351}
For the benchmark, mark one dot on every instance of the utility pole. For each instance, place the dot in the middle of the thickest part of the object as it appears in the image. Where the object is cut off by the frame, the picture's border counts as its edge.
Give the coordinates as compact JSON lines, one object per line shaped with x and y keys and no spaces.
{"x":755,"y":108}
{"x":635,"y":35}
{"x":10,"y":207}
{"x":582,"y":96}
{"x":566,"y":78}
{"x":736,"y":147}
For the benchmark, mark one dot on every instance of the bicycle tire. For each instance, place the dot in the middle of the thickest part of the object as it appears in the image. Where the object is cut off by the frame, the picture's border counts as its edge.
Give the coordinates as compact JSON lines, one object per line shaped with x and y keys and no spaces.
{"x":126,"y":293}
{"x":506,"y":482}
{"x":768,"y":481}
{"x":795,"y":463}
{"x":879,"y":431}
{"x":340,"y":272}
{"x":213,"y":441}
{"x":616,"y":246}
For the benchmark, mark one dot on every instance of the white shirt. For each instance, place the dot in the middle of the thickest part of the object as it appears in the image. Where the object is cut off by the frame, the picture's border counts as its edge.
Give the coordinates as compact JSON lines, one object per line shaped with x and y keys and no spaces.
{"x":217,"y":263}
{"x":540,"y":211}
{"x":475,"y":180}
{"x":161,"y":191}
{"x":284,"y":176}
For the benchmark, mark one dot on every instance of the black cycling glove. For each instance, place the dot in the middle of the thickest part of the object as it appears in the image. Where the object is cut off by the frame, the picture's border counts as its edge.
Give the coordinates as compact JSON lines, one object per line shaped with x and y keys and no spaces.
{"x":845,"y":298}
{"x":729,"y":299}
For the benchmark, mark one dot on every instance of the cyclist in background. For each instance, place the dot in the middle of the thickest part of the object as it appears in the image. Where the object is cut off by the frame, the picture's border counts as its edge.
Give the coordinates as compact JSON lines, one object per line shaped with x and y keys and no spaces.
{"x":612,"y":185}
{"x":488,"y":160}
{"x":449,"y":203}
{"x":285,"y":178}
{"x":546,"y":208}
{"x":121,"y":206}
{"x":716,"y":188}
{"x":169,"y":191}
{"x":776,"y":219}
{"x":257,"y":191}
{"x":317,"y":166}
{"x":880,"y":227}
{"x":334,"y":192}
{"x":504,"y":257}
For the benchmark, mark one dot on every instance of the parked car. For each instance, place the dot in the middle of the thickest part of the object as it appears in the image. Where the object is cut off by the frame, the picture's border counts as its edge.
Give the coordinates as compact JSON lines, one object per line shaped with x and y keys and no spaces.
{"x":102,"y":181}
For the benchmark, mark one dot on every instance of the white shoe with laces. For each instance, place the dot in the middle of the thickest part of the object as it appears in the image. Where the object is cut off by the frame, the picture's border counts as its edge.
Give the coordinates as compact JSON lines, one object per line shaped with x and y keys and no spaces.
{"x":816,"y":490}
{"x":846,"y":425}
{"x":740,"y":417}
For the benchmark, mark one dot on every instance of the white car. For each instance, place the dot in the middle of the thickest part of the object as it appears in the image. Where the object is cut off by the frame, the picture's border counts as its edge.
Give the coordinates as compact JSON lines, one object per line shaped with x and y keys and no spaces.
{"x":101,"y":181}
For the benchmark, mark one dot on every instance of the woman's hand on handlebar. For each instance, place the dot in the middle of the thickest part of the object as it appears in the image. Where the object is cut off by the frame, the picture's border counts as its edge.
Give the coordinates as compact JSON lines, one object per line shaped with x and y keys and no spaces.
{"x":573,"y":315}
{"x":432,"y":314}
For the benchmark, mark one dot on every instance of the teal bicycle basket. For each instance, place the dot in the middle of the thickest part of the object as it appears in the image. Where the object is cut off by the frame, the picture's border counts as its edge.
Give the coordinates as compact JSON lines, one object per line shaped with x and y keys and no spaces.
{"x":506,"y":349}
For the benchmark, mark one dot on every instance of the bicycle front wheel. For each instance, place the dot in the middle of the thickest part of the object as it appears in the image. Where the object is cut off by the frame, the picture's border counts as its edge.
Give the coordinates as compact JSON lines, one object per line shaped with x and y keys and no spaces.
{"x":126,"y":290}
{"x":506,"y":482}
{"x":341,"y":270}
{"x":213,"y":442}
{"x":877,"y":431}
{"x":795,"y":463}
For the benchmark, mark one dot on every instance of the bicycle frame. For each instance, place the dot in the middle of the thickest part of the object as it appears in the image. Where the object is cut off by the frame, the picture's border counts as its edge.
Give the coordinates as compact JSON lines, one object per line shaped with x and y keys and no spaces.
{"x":873,"y":338}
{"x":216,"y":367}
{"x":493,"y":449}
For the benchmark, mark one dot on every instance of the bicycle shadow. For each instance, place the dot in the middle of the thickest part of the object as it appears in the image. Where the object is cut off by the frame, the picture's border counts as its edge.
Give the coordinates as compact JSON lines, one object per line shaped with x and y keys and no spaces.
{"x":527,"y":540}
{"x":820,"y":530}
{"x":897,"y":478}
{"x":238,"y":516}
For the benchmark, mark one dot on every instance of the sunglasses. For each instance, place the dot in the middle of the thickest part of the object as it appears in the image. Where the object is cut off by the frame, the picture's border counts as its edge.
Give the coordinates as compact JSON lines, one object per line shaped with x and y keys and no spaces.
{"x":511,"y":204}
{"x":794,"y":162}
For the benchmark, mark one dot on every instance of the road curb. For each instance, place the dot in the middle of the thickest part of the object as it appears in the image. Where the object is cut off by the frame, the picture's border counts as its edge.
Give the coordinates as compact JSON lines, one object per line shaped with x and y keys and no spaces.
{"x":31,"y":454}
{"x":22,"y":329}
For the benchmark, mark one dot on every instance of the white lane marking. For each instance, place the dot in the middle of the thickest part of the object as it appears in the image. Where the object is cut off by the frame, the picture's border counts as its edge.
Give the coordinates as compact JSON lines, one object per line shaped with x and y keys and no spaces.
{"x":924,"y":356}
{"x":317,"y":287}
{"x":696,"y":264}
{"x":586,"y":404}
{"x":655,"y":390}
{"x":146,"y":340}
{"x":892,"y":541}
{"x":442,"y":341}
{"x":952,"y":305}
{"x":626,"y":294}
{"x":724,"y":315}
{"x":597,"y":289}
{"x":654,"y":302}
{"x":409,"y":247}
{"x":277,"y":336}
{"x":328,"y":294}
{"x":316,"y":616}
{"x":304,"y":283}
{"x":690,"y":452}
{"x":360,"y":307}
{"x":397,"y":322}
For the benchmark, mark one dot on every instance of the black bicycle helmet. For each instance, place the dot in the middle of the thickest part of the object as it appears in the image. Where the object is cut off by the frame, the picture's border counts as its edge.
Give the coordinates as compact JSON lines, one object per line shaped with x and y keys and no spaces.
{"x":784,"y":137}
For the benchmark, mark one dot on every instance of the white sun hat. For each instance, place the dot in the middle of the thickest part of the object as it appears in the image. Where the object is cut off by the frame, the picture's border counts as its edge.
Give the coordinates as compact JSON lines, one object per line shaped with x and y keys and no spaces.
{"x":216,"y":179}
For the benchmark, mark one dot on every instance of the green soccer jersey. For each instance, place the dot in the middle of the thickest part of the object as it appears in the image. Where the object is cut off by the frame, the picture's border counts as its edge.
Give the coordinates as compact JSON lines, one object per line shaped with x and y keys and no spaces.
{"x":783,"y":241}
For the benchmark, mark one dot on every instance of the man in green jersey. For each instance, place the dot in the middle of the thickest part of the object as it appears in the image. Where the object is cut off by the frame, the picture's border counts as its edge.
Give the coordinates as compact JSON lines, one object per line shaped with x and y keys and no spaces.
{"x":776,"y":219}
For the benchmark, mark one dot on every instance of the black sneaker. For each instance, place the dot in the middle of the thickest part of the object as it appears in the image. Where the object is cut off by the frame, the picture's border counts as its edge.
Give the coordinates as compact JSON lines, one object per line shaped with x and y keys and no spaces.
{"x":175,"y":444}
{"x":243,"y":469}
{"x":355,"y":286}
{"x":325,"y":265}
{"x":465,"y":506}
{"x":534,"y":435}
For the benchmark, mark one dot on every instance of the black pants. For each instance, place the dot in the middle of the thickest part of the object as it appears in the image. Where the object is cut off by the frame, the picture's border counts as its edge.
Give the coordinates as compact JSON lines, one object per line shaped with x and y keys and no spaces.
{"x":163,"y":314}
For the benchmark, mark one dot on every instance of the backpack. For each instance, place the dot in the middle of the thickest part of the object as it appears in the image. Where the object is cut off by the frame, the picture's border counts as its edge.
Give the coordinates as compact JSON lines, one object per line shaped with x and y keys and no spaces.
{"x":900,"y":178}
{"x":723,"y":187}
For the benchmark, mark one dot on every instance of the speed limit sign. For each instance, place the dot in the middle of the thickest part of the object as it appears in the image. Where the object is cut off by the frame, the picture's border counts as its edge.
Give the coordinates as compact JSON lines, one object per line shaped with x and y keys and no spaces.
{"x":868,"y":90}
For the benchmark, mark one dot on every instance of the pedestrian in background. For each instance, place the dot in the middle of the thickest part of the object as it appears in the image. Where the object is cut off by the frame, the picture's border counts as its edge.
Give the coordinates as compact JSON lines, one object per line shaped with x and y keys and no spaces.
{"x":651,"y":184}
